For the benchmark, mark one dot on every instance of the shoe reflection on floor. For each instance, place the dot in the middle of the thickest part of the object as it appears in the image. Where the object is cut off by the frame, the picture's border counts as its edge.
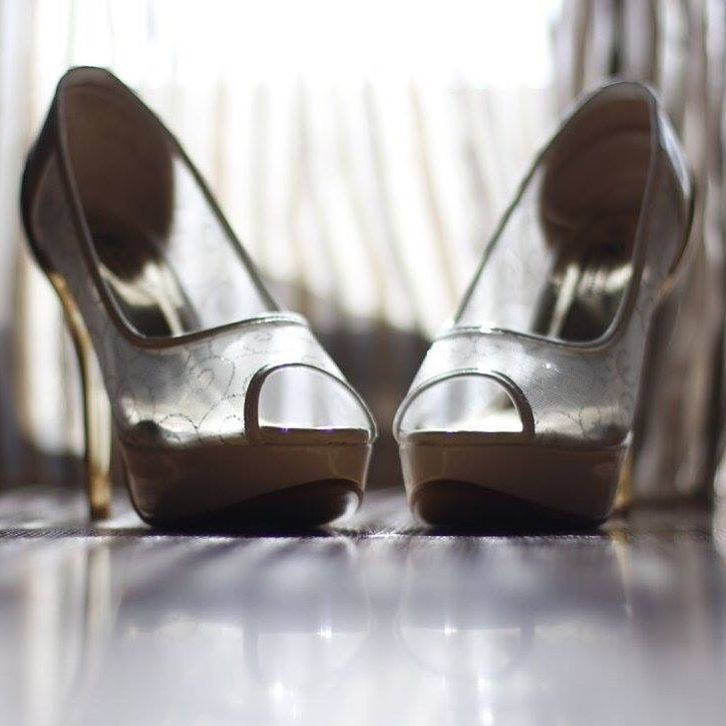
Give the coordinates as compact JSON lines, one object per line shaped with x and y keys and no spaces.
{"x":123,"y":626}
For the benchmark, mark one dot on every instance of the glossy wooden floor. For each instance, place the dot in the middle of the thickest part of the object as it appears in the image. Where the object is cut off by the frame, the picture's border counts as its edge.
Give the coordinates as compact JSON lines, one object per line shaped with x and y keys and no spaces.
{"x":375,"y":623}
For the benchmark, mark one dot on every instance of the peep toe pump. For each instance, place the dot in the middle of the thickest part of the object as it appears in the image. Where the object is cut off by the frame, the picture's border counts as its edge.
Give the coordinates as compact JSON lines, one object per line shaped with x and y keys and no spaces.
{"x":524,"y":407}
{"x":224,"y":407}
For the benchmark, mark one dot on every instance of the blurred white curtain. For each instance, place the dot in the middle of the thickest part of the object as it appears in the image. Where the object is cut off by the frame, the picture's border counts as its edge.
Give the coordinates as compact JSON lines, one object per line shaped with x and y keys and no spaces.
{"x":362,"y":151}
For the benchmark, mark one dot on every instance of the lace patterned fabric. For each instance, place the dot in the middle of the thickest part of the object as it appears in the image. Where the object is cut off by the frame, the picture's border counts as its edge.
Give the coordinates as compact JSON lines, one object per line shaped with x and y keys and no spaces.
{"x":186,"y":390}
{"x":582,"y":392}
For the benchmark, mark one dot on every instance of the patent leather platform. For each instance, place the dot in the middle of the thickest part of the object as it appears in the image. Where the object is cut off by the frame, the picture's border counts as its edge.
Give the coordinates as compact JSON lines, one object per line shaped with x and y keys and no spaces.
{"x":525,"y":406}
{"x":225,"y":408}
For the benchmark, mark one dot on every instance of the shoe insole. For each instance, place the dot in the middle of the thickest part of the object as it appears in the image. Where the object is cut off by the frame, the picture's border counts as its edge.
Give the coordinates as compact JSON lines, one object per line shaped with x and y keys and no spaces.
{"x":587,"y":281}
{"x":143,"y":284}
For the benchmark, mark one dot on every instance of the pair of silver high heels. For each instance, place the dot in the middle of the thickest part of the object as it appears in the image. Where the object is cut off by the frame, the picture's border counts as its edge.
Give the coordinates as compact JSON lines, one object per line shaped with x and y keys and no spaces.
{"x":227,"y":409}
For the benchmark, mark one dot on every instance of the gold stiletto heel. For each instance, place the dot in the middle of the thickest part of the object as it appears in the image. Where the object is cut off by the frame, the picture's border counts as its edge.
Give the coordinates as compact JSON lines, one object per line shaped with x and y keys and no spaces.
{"x":96,"y":409}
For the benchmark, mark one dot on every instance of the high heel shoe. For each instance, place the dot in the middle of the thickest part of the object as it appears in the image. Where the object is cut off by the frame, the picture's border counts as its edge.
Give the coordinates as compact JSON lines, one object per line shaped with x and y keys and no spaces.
{"x":225,"y":408}
{"x":525,"y":405}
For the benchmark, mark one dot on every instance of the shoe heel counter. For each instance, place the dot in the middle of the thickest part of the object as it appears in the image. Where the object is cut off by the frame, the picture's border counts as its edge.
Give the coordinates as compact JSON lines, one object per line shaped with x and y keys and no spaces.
{"x":676,"y":156}
{"x":33,"y":181}
{"x":674,"y":161}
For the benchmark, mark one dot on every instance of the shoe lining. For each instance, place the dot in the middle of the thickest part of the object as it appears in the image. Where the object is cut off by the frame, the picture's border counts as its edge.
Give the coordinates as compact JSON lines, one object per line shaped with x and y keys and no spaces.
{"x":562,"y":263}
{"x":168,"y":262}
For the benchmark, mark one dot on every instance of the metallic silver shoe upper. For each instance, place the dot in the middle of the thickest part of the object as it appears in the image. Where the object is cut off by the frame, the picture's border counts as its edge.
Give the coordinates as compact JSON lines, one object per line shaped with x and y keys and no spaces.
{"x":550,"y":340}
{"x":188,"y":355}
